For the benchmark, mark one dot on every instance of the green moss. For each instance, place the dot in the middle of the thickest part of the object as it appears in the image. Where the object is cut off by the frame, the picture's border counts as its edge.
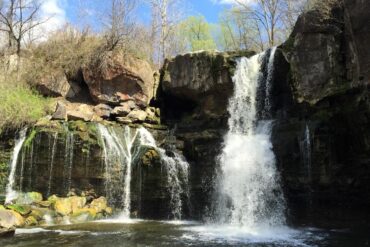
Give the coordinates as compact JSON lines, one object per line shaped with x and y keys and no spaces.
{"x":31,"y":136}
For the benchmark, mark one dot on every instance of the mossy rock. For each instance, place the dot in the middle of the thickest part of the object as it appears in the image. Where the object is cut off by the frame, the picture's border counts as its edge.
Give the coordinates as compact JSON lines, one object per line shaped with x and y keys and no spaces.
{"x":21,"y":209}
{"x":52,"y":199}
{"x":31,"y":221}
{"x":44,"y":204}
{"x":99,"y":204}
{"x":150,"y":156}
{"x":29,"y":198}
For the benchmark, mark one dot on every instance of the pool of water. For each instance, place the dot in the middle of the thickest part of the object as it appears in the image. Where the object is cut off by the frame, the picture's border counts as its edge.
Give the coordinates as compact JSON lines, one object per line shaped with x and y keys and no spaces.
{"x":181,"y":233}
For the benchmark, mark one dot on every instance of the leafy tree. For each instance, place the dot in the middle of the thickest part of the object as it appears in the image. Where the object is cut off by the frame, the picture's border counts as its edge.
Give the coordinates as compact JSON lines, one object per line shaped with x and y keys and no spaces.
{"x":197,"y":32}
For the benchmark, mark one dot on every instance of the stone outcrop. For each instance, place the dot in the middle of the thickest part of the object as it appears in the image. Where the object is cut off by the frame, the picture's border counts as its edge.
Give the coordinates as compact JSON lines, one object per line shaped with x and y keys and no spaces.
{"x":57,"y":84}
{"x":328,"y":53}
{"x":116,"y":77}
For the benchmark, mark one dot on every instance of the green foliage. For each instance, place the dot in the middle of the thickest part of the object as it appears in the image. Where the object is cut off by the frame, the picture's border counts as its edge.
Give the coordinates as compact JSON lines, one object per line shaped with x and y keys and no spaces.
{"x":20,"y":105}
{"x":30,"y":138}
{"x":3,"y":176}
{"x":197,"y":32}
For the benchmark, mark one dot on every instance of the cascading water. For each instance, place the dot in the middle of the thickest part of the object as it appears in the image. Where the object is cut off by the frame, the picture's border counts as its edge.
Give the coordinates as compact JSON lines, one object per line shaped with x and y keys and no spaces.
{"x":121,"y":149}
{"x":11,"y":194}
{"x":249,"y":193}
{"x":53,"y":149}
{"x":177,"y":172}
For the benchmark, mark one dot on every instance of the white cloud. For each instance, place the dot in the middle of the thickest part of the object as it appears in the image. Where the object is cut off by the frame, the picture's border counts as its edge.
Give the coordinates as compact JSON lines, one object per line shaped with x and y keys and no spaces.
{"x":233,"y":2}
{"x":54,"y":13}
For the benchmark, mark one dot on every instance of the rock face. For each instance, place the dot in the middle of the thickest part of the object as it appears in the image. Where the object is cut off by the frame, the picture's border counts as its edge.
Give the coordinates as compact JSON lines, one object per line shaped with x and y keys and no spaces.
{"x":321,"y":103}
{"x":198,"y":80}
{"x":328,"y":54}
{"x":117,"y":77}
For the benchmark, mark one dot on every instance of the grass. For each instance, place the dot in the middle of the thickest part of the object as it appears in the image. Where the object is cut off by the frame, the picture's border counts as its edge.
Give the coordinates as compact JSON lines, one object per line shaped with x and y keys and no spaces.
{"x":20,"y":105}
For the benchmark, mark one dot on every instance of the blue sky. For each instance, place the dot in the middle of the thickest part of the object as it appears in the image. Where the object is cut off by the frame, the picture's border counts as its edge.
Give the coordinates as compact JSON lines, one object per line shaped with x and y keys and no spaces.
{"x":66,"y":10}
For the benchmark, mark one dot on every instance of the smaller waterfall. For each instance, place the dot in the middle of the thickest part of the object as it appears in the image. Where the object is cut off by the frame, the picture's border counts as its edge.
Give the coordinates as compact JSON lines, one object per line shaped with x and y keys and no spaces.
{"x":307,"y":153}
{"x":11,"y":194}
{"x":177,"y":172}
{"x":52,"y":156}
{"x":68,"y":165}
{"x":121,"y":150}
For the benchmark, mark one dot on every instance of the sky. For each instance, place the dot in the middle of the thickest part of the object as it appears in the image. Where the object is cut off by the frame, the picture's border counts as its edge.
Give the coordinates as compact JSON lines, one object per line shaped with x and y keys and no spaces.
{"x":64,"y":11}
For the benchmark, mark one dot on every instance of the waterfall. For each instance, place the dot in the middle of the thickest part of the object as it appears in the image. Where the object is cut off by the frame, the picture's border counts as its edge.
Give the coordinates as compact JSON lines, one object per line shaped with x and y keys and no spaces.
{"x":11,"y":194}
{"x":53,"y":149}
{"x":68,"y":161}
{"x":117,"y":148}
{"x":249,"y":193}
{"x":121,"y":147}
{"x":306,"y":153}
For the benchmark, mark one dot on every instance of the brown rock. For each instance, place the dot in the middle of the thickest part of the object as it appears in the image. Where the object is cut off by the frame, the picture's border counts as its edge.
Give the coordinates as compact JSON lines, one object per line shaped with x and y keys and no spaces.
{"x":121,"y":78}
{"x":121,"y":110}
{"x":56,"y":84}
{"x":137,"y":115}
{"x":60,"y":112}
{"x":83,"y":112}
{"x":124,"y":120}
{"x":103,"y":110}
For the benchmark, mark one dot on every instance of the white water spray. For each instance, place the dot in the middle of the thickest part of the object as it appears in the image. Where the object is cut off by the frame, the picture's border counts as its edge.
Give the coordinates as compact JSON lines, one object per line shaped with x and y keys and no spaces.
{"x":11,"y":194}
{"x":249,"y":192}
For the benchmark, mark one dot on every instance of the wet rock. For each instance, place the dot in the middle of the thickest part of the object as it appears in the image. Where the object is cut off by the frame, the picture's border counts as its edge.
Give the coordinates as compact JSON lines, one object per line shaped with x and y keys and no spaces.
{"x":31,"y":221}
{"x":7,"y":232}
{"x":21,"y":209}
{"x":63,"y":206}
{"x":9,"y":219}
{"x":100,"y":204}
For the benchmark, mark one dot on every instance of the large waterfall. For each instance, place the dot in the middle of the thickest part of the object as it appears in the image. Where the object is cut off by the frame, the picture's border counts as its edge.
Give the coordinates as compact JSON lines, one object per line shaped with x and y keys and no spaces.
{"x":249,"y":193}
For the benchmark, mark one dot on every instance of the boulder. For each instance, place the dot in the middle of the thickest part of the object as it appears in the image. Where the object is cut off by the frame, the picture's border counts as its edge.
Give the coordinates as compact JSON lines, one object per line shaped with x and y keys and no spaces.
{"x":57,"y":84}
{"x":60,"y":112}
{"x":9,"y":219}
{"x":82,"y":112}
{"x":124,"y":120}
{"x":100,"y":204}
{"x":28,"y":198}
{"x":103,"y":110}
{"x":77,"y":202}
{"x":123,"y":110}
{"x":21,"y":209}
{"x":137,"y":115}
{"x":63,"y":206}
{"x":118,"y":77}
{"x":31,"y":221}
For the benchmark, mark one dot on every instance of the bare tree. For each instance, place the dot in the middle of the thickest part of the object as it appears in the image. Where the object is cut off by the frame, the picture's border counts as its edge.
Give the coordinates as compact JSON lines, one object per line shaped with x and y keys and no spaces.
{"x":165,"y":15}
{"x":18,"y":17}
{"x":267,"y":16}
{"x":119,"y":23}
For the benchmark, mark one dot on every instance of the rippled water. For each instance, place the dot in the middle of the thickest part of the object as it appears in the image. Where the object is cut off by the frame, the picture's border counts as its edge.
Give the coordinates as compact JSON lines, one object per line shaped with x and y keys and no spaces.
{"x":181,"y":233}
